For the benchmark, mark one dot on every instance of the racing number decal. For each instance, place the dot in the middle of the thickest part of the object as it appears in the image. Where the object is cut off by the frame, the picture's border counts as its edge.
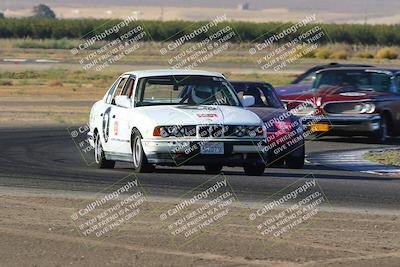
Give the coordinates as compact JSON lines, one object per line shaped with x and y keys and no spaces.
{"x":106,"y":124}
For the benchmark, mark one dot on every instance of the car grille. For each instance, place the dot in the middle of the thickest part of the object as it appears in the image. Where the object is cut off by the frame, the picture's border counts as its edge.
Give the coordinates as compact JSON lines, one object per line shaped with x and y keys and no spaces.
{"x":341,"y":108}
{"x":211,"y":131}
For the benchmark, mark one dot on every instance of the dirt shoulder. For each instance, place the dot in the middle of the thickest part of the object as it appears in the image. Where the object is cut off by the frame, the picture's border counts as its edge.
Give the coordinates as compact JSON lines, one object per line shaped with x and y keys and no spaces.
{"x":37,"y":230}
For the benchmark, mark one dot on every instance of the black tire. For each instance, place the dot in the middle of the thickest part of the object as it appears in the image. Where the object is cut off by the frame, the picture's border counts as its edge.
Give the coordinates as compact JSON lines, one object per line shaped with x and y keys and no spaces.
{"x":140,"y":163}
{"x":255,"y":169}
{"x":213,"y":168}
{"x":381,"y":135}
{"x":99,"y":157}
{"x":296,"y":162}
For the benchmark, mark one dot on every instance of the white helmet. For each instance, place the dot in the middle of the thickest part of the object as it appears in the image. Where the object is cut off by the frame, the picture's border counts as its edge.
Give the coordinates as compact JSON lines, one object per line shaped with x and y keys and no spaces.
{"x":201,"y":93}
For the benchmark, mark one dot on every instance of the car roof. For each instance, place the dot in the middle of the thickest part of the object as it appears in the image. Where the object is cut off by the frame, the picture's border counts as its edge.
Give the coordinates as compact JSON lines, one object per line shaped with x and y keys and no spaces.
{"x":164,"y":72}
{"x":248,"y":82}
{"x":326,"y":66}
{"x":377,"y":69}
{"x":338,"y":65}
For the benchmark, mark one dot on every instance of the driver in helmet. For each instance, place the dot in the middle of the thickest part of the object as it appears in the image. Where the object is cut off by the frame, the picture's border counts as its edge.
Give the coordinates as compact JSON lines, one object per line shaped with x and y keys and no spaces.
{"x":201,"y":94}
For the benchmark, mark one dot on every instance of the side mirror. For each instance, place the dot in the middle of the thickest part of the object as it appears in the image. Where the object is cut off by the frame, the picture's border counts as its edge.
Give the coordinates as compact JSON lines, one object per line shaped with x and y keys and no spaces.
{"x":248,"y":100}
{"x":123,"y":101}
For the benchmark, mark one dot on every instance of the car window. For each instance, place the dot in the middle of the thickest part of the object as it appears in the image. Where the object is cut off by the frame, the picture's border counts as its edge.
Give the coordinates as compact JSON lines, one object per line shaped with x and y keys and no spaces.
{"x":111,"y":91}
{"x":159,"y":91}
{"x":119,"y":89}
{"x":128,"y":88}
{"x":397,"y":84}
{"x":264,"y":94}
{"x":309,"y":79}
{"x":357,"y":80}
{"x":185,"y":90}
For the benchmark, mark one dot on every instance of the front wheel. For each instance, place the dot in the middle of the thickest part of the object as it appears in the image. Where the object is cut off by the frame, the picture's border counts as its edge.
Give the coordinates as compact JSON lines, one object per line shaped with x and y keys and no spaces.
{"x":100,"y":159}
{"x":140,"y":163}
{"x":255,"y":169}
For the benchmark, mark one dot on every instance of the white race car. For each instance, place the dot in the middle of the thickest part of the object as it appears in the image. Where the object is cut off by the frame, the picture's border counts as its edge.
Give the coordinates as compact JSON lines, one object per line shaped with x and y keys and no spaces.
{"x":176,"y":117}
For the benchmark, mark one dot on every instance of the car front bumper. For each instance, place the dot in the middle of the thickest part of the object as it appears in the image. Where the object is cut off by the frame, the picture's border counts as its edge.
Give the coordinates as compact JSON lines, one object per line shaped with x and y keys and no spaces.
{"x":188,"y":152}
{"x":345,"y":124}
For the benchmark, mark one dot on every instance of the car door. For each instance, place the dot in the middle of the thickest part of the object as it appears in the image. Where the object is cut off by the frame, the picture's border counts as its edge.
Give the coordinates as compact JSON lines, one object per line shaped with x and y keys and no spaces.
{"x":108,"y":112}
{"x":119,"y":126}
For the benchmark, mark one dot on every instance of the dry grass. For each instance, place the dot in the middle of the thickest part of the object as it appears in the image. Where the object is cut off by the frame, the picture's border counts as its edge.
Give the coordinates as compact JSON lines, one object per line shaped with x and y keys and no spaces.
{"x":363,"y":54}
{"x":387,"y":53}
{"x":389,"y":157}
{"x":340,"y":54}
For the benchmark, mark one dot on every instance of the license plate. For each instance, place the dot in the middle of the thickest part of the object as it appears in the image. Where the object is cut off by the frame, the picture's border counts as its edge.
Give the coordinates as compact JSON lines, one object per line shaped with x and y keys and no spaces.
{"x":319,"y":127}
{"x":212,"y":148}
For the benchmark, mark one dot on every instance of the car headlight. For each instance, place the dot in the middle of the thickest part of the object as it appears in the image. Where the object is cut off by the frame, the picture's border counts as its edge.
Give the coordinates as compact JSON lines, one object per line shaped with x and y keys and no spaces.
{"x":251,"y":131}
{"x":369,"y":107}
{"x":164,"y":132}
{"x":240,"y":131}
{"x":175,"y":131}
{"x":365,"y":108}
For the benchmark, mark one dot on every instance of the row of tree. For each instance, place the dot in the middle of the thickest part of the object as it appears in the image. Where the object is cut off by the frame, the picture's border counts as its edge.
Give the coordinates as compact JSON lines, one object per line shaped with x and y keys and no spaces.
{"x":41,"y":28}
{"x":39,"y":11}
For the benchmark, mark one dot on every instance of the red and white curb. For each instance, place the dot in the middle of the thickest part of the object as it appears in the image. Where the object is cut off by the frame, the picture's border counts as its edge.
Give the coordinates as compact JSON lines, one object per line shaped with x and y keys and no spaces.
{"x":353,"y":161}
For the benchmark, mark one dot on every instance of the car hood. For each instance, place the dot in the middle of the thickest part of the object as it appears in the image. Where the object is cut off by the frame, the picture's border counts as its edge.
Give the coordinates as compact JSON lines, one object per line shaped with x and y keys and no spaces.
{"x":293,"y":89}
{"x":197,"y":115}
{"x":267,"y":113}
{"x":336,"y":93}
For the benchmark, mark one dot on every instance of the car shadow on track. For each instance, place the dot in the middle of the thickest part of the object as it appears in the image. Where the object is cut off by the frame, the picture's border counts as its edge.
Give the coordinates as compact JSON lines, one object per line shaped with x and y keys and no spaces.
{"x":279,"y":172}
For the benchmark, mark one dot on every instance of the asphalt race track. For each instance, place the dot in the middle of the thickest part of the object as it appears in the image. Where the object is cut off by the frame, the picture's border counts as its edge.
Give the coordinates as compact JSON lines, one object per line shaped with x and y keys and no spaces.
{"x":48,"y":159}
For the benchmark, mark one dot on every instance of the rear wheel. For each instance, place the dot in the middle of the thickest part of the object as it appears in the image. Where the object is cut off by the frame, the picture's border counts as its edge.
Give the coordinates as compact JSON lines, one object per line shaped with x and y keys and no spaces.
{"x":100,"y":159}
{"x":213,"y":168}
{"x":254,"y":169}
{"x":140,"y":163}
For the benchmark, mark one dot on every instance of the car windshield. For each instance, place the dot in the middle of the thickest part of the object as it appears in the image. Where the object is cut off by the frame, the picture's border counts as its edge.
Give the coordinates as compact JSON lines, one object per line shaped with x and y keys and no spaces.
{"x":264,"y":94}
{"x":355,"y":80}
{"x":185,"y":90}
